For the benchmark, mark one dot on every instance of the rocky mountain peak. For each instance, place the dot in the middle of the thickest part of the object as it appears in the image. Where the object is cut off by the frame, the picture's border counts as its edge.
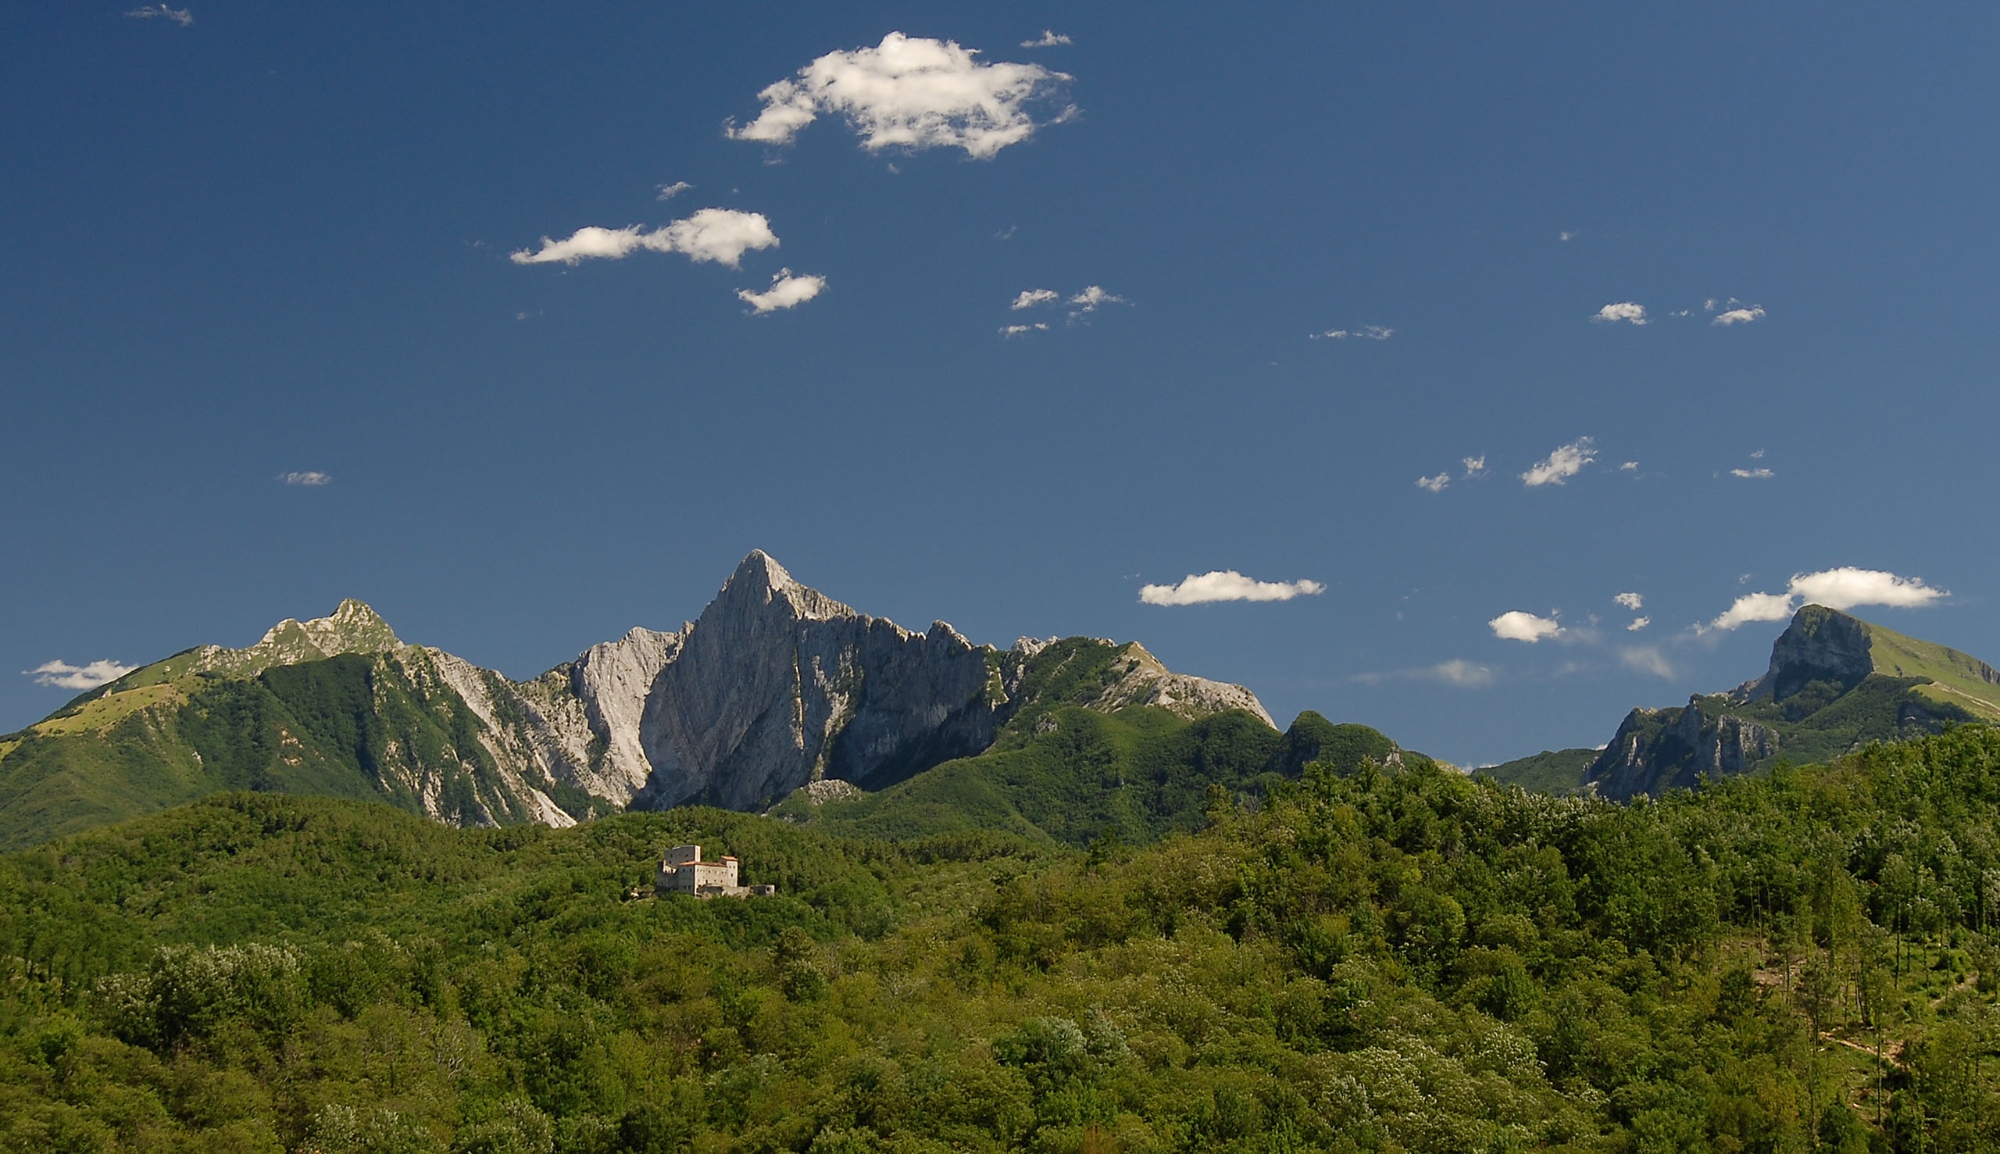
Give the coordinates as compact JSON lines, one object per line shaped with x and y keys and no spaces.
{"x":760,"y":581}
{"x":1820,"y":644}
{"x":352,"y":627}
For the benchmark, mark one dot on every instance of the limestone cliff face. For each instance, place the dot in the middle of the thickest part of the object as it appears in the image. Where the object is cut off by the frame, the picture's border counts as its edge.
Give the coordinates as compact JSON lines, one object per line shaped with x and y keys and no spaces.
{"x":1819,"y":645}
{"x":777,"y":685}
{"x":1660,"y":749}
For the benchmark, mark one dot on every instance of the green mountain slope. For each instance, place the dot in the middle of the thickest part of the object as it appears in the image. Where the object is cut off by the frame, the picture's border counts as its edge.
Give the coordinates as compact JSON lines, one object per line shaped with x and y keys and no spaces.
{"x":1396,"y":958}
{"x":1557,"y":771}
{"x":1066,"y":768}
{"x":1834,"y":684}
{"x":354,"y":725}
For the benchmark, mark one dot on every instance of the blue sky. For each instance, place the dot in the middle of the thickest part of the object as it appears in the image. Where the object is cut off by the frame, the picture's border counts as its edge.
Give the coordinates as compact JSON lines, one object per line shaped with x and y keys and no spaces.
{"x":245,"y":244}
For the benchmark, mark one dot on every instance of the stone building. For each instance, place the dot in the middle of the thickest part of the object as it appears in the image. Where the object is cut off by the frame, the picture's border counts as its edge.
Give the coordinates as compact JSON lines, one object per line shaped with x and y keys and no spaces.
{"x":683,"y":872}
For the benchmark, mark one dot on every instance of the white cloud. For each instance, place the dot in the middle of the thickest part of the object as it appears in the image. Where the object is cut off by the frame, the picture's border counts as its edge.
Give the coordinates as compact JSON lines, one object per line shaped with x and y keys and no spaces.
{"x":1091,"y":297}
{"x":1566,"y":235}
{"x":1517,"y":625}
{"x":1364,"y":333}
{"x":721,"y":235}
{"x":1023,"y":330}
{"x":786,"y":291}
{"x":1622,"y":311}
{"x":1848,"y":587}
{"x":1638,"y":623}
{"x":1629,"y":467}
{"x":1566,"y":462}
{"x":1457,"y":672}
{"x":1632,"y":601}
{"x":1752,"y":474}
{"x":1758,"y":455}
{"x":1225,"y":585}
{"x":1461,"y":672}
{"x":1029,"y":298}
{"x":1709,"y":305}
{"x":1475,"y":467}
{"x":909,"y":93}
{"x":1844,"y":588}
{"x":1049,"y":39}
{"x":1434,"y":484}
{"x":310,"y":479}
{"x":63,"y":675}
{"x":670,"y":191}
{"x":1739,"y":316}
{"x":1645,"y":659}
{"x":1753,"y":607}
{"x":181,"y":16}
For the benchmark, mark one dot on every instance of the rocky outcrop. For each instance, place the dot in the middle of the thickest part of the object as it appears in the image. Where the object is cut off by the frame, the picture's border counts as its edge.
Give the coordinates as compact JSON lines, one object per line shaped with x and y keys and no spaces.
{"x":1144,"y":681}
{"x":1820,"y":644}
{"x":1660,"y":749}
{"x":778,"y":685}
{"x":352,"y":627}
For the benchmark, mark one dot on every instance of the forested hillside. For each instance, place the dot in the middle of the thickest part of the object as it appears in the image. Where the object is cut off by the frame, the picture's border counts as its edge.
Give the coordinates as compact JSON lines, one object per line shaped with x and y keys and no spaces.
{"x":1394,"y":958}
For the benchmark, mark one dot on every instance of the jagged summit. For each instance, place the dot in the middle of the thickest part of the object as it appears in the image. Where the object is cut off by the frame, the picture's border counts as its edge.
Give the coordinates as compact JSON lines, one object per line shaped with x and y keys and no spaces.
{"x":773,"y":687}
{"x":760,"y":580}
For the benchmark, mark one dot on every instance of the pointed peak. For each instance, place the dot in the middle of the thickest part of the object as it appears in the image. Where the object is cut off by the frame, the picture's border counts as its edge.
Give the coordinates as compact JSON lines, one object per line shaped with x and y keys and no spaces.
{"x":762,"y":572}
{"x":761,"y":581}
{"x":352,"y":627}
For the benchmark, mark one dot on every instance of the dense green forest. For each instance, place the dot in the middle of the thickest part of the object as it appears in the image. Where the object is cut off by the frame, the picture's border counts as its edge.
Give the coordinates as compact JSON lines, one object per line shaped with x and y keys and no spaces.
{"x":1368,"y":958}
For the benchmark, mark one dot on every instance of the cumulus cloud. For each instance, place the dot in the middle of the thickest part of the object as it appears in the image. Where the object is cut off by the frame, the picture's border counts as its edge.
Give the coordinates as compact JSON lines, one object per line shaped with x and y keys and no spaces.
{"x":1364,"y":333}
{"x":1759,"y":474}
{"x":1739,"y":316}
{"x":1629,"y":467}
{"x":1622,"y":311}
{"x":1049,"y":39}
{"x":311,"y":479}
{"x":1029,"y":298}
{"x":670,"y":191}
{"x":1645,"y":659}
{"x":1226,"y":585}
{"x":1434,"y":484}
{"x":909,"y":93}
{"x":787,"y":290}
{"x":63,"y":675}
{"x":1518,"y":625}
{"x":1754,"y":607}
{"x":1475,"y":467}
{"x":1844,"y":588}
{"x":181,"y":16}
{"x":1848,"y":587}
{"x":1023,"y":330}
{"x":1091,"y":298}
{"x":1632,"y":601}
{"x":720,"y":235}
{"x":1566,"y":462}
{"x":1638,"y":623}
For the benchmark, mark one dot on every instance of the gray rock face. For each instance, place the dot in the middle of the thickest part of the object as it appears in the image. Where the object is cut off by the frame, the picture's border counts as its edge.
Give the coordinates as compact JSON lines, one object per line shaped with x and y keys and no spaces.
{"x":777,"y":685}
{"x":1819,"y":645}
{"x":1660,"y":749}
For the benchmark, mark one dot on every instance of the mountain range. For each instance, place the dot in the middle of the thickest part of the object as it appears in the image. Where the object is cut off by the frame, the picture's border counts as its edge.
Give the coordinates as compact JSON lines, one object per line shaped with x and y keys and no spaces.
{"x":774,"y":689}
{"x":1834,"y":684}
